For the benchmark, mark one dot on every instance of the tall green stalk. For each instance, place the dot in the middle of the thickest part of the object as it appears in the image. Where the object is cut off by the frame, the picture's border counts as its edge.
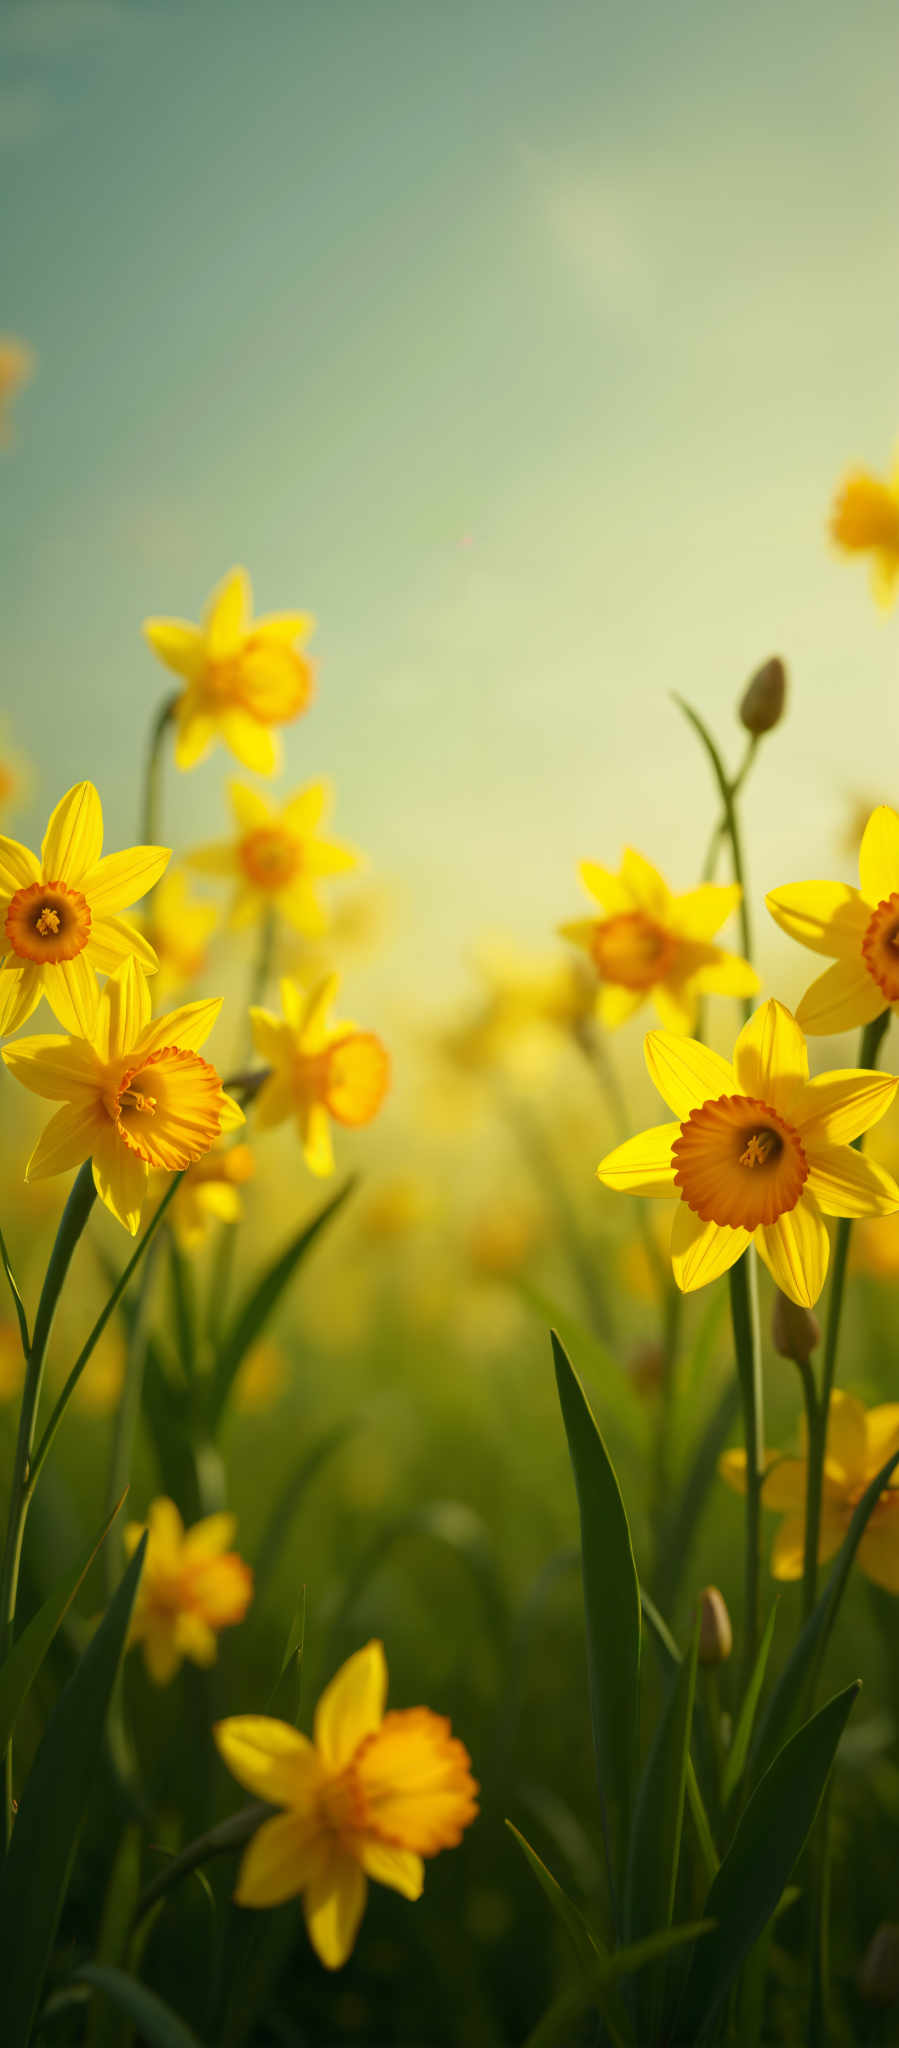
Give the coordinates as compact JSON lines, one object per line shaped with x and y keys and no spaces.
{"x":151,"y":800}
{"x":744,"y":1310}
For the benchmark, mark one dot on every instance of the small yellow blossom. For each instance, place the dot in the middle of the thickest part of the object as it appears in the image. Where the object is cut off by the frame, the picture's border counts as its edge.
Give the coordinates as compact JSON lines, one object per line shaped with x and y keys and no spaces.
{"x":370,"y":1797}
{"x":505,"y":1236}
{"x":760,"y":1154}
{"x":276,"y":858}
{"x":12,"y":1362}
{"x":60,"y":914}
{"x":192,"y":1584}
{"x":99,"y":1389}
{"x":209,"y":1193}
{"x":319,"y":1070}
{"x":261,"y":1380}
{"x":242,"y":677}
{"x":15,"y":775}
{"x":179,"y":927}
{"x":16,"y":370}
{"x":649,"y":943}
{"x":137,"y":1096}
{"x":859,"y":1442}
{"x":865,"y":520}
{"x":395,"y":1210}
{"x":857,"y":928}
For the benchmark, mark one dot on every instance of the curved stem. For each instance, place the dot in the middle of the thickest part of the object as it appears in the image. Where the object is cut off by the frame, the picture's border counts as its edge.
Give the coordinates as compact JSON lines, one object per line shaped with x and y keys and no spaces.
{"x":719,"y":831}
{"x":151,"y":803}
{"x":129,"y":1409}
{"x":813,"y":1481}
{"x":730,"y":827}
{"x":745,"y":1316}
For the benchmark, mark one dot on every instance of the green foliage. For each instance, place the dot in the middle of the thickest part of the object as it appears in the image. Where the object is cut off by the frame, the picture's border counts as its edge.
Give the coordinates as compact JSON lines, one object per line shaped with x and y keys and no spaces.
{"x":261,"y":1301}
{"x":159,"y":2026}
{"x":21,"y":1667}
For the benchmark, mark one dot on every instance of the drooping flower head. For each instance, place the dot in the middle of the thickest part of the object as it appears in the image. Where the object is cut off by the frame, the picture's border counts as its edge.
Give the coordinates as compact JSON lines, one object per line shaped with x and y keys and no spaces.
{"x":857,"y":928}
{"x":136,"y":1096}
{"x":192,"y":1584}
{"x":760,"y":1153}
{"x":242,"y":676}
{"x":179,"y":927}
{"x":209,"y":1193}
{"x":60,"y":914}
{"x":648,"y":943}
{"x":371,"y":1796}
{"x":276,"y":858}
{"x":859,"y":1442}
{"x":865,"y":520}
{"x":320,"y":1071}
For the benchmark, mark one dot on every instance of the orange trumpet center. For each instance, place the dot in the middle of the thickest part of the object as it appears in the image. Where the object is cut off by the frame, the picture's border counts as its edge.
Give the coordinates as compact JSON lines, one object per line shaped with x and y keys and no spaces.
{"x":633,"y":950}
{"x":880,"y":947}
{"x":47,"y":922}
{"x":168,"y":1110}
{"x":271,"y":857}
{"x":739,"y":1163}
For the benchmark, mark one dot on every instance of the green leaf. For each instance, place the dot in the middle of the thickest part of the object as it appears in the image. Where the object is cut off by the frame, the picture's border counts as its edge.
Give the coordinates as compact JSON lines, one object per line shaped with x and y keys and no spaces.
{"x":18,"y":1303}
{"x":621,"y":1401}
{"x":612,"y":1610}
{"x":451,"y":1523}
{"x":20,"y":1668}
{"x":35,"y":1876}
{"x":798,"y":1678}
{"x":586,"y":1945}
{"x":736,"y":1757}
{"x":262,"y":1300}
{"x":671,"y":1660}
{"x":555,"y":2026}
{"x":160,"y":2027}
{"x":659,"y":1811}
{"x":291,"y":1498}
{"x":768,"y":1840}
{"x":284,"y":1703}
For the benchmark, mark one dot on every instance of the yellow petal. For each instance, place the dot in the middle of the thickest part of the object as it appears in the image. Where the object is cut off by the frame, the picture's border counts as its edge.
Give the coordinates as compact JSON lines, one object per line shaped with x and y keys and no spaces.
{"x":187,"y":1027}
{"x":844,"y":997}
{"x":402,"y":1869}
{"x":785,"y":1485}
{"x":195,"y":1639}
{"x":675,"y":1004}
{"x":648,"y":889}
{"x":166,"y":1530}
{"x":18,"y":867}
{"x":796,"y":1250}
{"x":251,"y":809}
{"x":120,"y":1179}
{"x":60,"y":1069}
{"x":209,"y":1537}
{"x":227,"y":614}
{"x":160,"y":1655}
{"x":300,"y":905}
{"x":770,"y":1057}
{"x":330,"y":857}
{"x":847,"y":1437}
{"x":73,"y":840}
{"x":788,"y":1548}
{"x":70,"y":987}
{"x":195,"y":733}
{"x":279,"y":1862}
{"x":177,"y":643}
{"x":20,"y":993}
{"x":844,"y":1103}
{"x":701,"y":1252}
{"x":828,"y":917}
{"x":122,"y":878}
{"x":250,"y":742}
{"x":643,"y":1165}
{"x":732,"y":1469}
{"x":352,"y":1706}
{"x":311,"y":1019}
{"x":845,"y":1183}
{"x":271,"y":1037}
{"x":219,"y":858}
{"x":416,"y":1782}
{"x":615,"y":1005}
{"x":315,"y":1138}
{"x":286,"y":629}
{"x":274,"y":1103}
{"x":883,"y":1434}
{"x":308,"y":807}
{"x":685,"y":1072}
{"x":729,"y":975}
{"x":128,"y":1005}
{"x":878,"y":856}
{"x":66,"y":1141}
{"x":231,"y":1114}
{"x":701,"y":912}
{"x":113,"y":940}
{"x":333,"y":1905}
{"x":271,"y":1759}
{"x":610,"y":891}
{"x":878,"y":1551}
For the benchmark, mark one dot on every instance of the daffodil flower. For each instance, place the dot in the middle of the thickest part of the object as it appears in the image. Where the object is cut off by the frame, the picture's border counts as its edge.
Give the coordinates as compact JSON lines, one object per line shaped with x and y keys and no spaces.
{"x":857,"y":928}
{"x":865,"y":520}
{"x":759,"y":1153}
{"x":180,"y":927}
{"x":319,"y":1070}
{"x":242,"y":676}
{"x":192,"y":1584}
{"x":649,"y":943}
{"x":209,"y":1193}
{"x":370,"y":1797}
{"x":859,"y":1442}
{"x":276,"y":857}
{"x":60,"y":914}
{"x":136,"y":1096}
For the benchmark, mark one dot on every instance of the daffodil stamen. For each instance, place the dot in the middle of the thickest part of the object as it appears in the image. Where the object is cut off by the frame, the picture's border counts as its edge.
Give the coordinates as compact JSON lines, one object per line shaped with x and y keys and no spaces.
{"x":49,"y":921}
{"x":760,"y":1146}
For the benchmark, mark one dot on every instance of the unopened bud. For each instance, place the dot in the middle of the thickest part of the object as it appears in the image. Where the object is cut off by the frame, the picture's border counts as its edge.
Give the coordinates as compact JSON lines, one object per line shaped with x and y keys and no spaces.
{"x":795,"y":1331}
{"x":646,"y":1366}
{"x":716,"y":1637}
{"x":762,"y":702}
{"x":878,"y":1977}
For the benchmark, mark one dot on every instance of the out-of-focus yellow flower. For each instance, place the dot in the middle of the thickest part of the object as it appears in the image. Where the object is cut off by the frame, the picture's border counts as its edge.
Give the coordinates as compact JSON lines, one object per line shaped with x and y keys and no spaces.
{"x":371,"y":1796}
{"x":242,"y":677}
{"x":504,"y":1237}
{"x":276,"y":857}
{"x":61,"y":914}
{"x":180,"y":927}
{"x":192,"y":1585}
{"x":15,"y":775}
{"x":859,"y":1442}
{"x":137,"y":1096}
{"x":16,"y":370}
{"x":209,"y":1194}
{"x":857,"y":928}
{"x":394,"y":1210}
{"x":12,"y":1362}
{"x":760,"y":1153}
{"x":320,"y":1070}
{"x":552,"y":989}
{"x":99,"y":1389}
{"x":865,"y":520}
{"x":261,"y":1380}
{"x":650,"y":943}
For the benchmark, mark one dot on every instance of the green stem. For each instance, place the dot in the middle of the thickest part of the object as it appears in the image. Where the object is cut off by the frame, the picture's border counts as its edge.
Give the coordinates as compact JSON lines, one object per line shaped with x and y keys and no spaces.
{"x":673,"y":1316}
{"x":72,"y":1222}
{"x":813,"y":1481}
{"x":151,"y":801}
{"x":727,"y":790}
{"x":745,"y":1316}
{"x":719,"y":831}
{"x":128,"y":1412}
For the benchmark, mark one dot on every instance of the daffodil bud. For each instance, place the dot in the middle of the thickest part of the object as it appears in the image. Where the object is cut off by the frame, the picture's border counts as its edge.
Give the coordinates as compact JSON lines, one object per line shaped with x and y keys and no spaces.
{"x":795,"y":1331}
{"x":878,"y":1977}
{"x":762,"y":702}
{"x":716,"y":1637}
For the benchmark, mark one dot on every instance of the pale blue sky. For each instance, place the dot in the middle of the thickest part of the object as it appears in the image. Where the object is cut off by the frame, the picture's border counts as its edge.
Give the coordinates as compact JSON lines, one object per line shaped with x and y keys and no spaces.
{"x":523,"y":343}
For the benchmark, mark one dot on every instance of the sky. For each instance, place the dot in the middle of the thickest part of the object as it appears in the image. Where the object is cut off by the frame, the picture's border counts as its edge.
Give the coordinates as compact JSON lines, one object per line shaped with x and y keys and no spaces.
{"x":524,"y":344}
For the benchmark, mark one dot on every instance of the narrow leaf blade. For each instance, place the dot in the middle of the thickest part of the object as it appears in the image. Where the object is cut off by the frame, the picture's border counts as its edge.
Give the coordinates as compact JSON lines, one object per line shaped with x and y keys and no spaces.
{"x":736,"y":1757}
{"x":160,"y":2027}
{"x":19,"y":1670}
{"x":262,"y":1299}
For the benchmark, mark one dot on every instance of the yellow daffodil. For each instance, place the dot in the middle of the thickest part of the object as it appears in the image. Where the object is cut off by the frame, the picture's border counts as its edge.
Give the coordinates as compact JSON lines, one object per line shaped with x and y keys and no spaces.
{"x":15,"y":775}
{"x":261,"y":1380}
{"x":99,"y":1389}
{"x":12,"y":1362}
{"x":61,"y":917}
{"x":319,"y":1070}
{"x":242,"y":677}
{"x":179,"y":926}
{"x":209,"y":1193}
{"x":760,"y":1154}
{"x":865,"y":520}
{"x":276,"y":858}
{"x":137,"y":1096}
{"x":859,"y":1442}
{"x":192,"y":1585}
{"x":16,"y":370}
{"x":371,"y":1796}
{"x":650,"y":943}
{"x":857,"y":928}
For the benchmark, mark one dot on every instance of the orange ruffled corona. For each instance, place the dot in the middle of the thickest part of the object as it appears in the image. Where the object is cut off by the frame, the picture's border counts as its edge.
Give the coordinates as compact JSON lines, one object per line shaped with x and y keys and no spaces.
{"x":859,"y":1442}
{"x":320,"y":1070}
{"x":192,"y":1585}
{"x":370,"y":1797}
{"x":760,"y":1154}
{"x":242,"y":677}
{"x":652,"y":944}
{"x":857,"y":928}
